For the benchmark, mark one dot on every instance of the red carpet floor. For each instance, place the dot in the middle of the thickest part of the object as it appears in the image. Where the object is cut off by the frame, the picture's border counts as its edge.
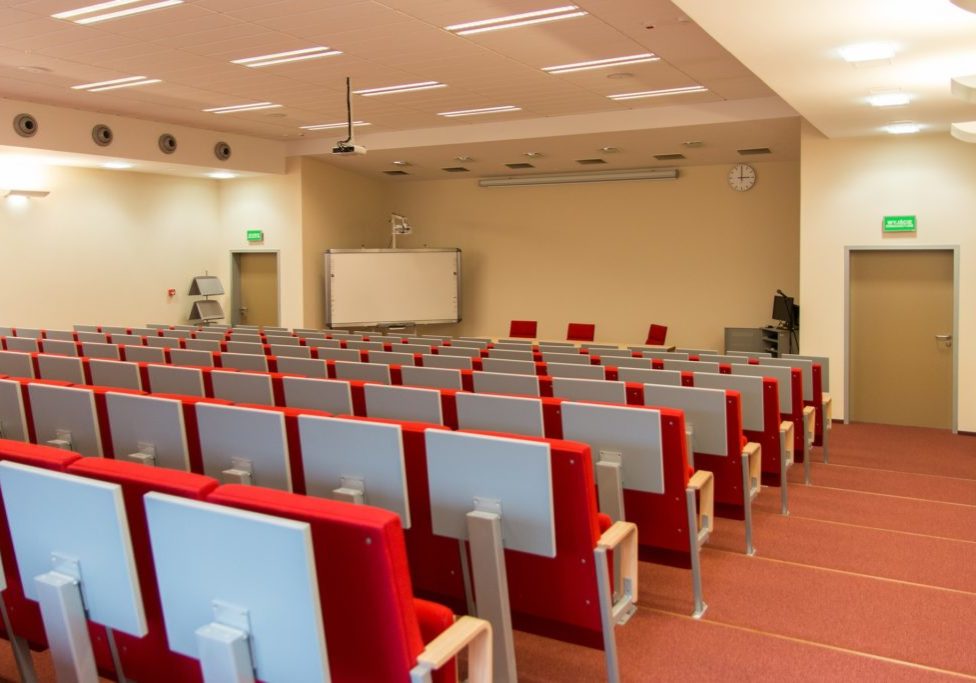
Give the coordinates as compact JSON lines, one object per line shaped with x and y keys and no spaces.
{"x":871,"y":578}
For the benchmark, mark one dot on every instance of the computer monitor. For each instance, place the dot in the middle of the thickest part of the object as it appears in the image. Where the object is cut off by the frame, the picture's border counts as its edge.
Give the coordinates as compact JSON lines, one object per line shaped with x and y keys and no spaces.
{"x":786,"y":311}
{"x":231,"y":581}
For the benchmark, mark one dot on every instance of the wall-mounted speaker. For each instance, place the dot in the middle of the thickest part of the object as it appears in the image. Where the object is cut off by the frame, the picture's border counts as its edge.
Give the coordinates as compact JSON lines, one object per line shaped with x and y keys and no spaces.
{"x":222,"y":151}
{"x":25,"y":125}
{"x":102,"y":135}
{"x":167,"y":143}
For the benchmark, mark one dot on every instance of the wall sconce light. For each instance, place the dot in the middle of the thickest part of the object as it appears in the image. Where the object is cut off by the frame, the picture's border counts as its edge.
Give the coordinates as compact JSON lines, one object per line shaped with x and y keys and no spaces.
{"x":27,"y":193}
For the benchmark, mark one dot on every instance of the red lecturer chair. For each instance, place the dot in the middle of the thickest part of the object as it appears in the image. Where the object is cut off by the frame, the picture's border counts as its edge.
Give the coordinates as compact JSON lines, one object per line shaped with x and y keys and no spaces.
{"x":580,"y":332}
{"x":656,"y":335}
{"x":523,"y":328}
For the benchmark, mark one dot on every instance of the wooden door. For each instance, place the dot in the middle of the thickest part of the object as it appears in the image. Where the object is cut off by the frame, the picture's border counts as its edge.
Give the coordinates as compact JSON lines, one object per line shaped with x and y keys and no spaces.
{"x":901,"y":315}
{"x":258,"y":287}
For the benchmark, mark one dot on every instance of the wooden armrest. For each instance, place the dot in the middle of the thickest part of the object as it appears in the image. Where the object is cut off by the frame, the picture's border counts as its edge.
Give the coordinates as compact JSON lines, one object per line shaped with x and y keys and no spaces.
{"x":786,"y":439}
{"x":622,"y":538}
{"x":753,"y":454}
{"x":469,"y":632}
{"x":828,"y":411}
{"x":617,"y":534}
{"x":703,"y":482}
{"x":809,"y":421}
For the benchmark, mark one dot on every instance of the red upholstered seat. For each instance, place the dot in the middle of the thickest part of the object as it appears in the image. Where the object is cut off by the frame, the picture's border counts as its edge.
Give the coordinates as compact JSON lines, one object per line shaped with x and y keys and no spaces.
{"x":148,"y":659}
{"x":580,"y":332}
{"x":523,"y":328}
{"x":373,"y":624}
{"x":656,"y":334}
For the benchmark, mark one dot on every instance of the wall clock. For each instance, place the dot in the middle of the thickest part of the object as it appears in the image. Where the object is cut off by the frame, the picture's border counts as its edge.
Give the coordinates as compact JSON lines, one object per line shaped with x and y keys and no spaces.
{"x":742,"y":177}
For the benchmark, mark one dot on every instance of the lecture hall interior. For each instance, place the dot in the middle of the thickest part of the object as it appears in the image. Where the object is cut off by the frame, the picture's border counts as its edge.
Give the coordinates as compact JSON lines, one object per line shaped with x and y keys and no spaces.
{"x":435,"y":340}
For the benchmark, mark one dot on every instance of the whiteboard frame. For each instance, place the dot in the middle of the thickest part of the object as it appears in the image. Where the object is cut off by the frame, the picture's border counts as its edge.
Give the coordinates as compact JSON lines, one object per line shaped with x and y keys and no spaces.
{"x":383,"y":323}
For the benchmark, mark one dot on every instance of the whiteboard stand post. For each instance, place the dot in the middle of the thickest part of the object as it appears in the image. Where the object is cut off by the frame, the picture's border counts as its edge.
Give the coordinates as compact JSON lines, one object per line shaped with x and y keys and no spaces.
{"x":63,"y":613}
{"x":491,"y":580}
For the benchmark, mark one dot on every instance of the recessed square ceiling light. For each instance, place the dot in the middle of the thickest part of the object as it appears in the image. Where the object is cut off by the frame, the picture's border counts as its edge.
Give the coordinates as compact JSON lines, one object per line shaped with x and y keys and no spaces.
{"x":401,"y":162}
{"x":602,"y":63}
{"x":866,"y":52}
{"x":129,"y":82}
{"x":117,"y":165}
{"x":221,"y":175}
{"x":394,"y":89}
{"x":517,"y":20}
{"x":684,"y":90}
{"x":283,"y":57}
{"x":902,"y":127}
{"x":532,"y":155}
{"x":329,"y":126}
{"x":609,"y":150}
{"x":477,"y":112}
{"x":238,"y":108}
{"x":91,"y":14}
{"x":463,"y":158}
{"x":889,"y":99}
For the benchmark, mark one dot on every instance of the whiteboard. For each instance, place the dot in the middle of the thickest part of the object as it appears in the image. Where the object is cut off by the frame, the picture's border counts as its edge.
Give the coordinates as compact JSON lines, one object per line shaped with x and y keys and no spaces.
{"x":392,"y":286}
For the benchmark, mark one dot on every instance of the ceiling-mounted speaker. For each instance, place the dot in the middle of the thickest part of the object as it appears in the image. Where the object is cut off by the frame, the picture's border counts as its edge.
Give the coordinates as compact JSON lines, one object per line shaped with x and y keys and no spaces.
{"x":102,"y":135}
{"x":222,"y":151}
{"x":167,"y":143}
{"x":25,"y":125}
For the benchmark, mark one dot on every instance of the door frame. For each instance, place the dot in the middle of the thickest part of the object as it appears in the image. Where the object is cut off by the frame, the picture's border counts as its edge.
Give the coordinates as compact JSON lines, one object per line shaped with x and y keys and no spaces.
{"x":235,"y":281}
{"x":954,"y":248}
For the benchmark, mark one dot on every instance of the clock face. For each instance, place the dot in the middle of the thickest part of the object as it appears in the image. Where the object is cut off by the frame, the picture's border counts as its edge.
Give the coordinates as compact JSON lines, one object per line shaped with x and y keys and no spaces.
{"x":742,"y":177}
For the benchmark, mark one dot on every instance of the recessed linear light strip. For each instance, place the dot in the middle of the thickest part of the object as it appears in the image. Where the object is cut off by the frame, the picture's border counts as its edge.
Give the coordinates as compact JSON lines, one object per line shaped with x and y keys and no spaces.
{"x":406,"y":87}
{"x":234,"y":108}
{"x":129,"y":82}
{"x":129,"y":79}
{"x":483,"y":110}
{"x":658,"y":93}
{"x":114,"y":15}
{"x":330,"y":126}
{"x":602,"y":63}
{"x":90,"y":9}
{"x":527,"y":22}
{"x":283,"y":57}
{"x":516,"y":20}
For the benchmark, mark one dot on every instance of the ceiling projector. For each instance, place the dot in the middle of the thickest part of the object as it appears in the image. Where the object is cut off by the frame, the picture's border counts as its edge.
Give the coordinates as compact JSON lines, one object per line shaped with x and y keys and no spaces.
{"x":346,"y":148}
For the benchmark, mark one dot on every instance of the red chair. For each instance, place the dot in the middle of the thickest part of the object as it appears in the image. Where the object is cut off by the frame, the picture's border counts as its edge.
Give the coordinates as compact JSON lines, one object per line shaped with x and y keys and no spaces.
{"x":656,"y":334}
{"x":523,"y":328}
{"x":580,"y":332}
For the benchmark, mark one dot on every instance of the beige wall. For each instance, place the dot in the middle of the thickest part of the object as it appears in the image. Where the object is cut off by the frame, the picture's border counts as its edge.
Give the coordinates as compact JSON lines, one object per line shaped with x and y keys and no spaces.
{"x":847,"y":186}
{"x":272,"y":203}
{"x":340,"y":210}
{"x":691,"y":254}
{"x":103,"y":247}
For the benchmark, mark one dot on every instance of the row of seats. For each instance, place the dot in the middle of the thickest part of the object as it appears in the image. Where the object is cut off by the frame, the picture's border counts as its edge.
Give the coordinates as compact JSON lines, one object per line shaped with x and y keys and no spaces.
{"x":434,"y":572}
{"x":656,"y":334}
{"x":374,"y":626}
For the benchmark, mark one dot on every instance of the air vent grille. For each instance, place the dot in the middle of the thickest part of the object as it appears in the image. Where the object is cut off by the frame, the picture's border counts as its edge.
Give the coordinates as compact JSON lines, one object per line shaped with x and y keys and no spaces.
{"x":669,"y":157}
{"x":455,"y":169}
{"x":755,"y":150}
{"x":397,"y":172}
{"x":590,"y":162}
{"x":521,"y":164}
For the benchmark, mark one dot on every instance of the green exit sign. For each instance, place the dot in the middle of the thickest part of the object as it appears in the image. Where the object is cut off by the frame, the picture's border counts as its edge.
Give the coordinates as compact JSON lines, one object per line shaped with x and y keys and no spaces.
{"x":255,"y":235}
{"x":899,"y":224}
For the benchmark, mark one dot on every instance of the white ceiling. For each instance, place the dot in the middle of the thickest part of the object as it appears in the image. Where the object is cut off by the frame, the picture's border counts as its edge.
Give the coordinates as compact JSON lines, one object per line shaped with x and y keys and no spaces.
{"x":793,"y":46}
{"x":384,"y":42}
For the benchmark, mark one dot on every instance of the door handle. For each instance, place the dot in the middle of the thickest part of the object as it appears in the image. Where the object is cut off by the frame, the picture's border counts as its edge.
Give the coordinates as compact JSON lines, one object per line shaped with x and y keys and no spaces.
{"x":947,"y":338}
